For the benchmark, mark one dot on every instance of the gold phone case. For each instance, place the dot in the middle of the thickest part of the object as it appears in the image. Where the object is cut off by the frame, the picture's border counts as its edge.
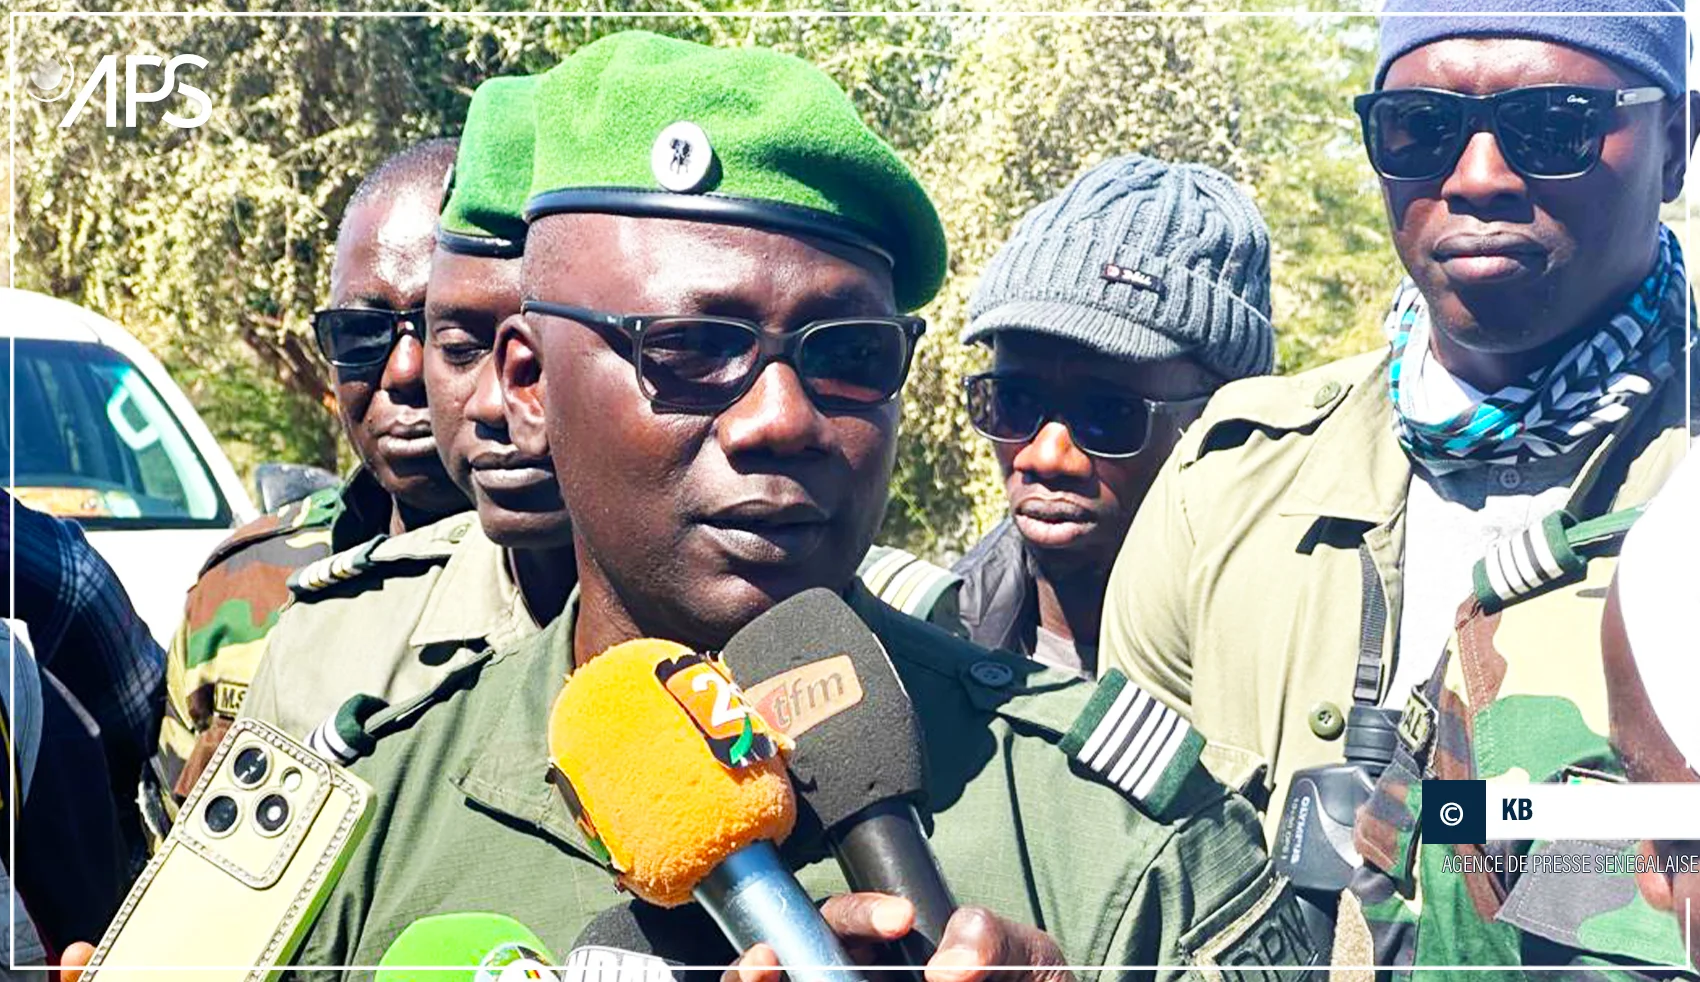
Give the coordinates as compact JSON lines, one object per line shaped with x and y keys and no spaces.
{"x":237,"y":881}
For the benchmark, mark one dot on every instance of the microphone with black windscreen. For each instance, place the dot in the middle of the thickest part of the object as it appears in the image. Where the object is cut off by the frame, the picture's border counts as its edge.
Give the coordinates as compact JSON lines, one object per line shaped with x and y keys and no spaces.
{"x":815,"y":672}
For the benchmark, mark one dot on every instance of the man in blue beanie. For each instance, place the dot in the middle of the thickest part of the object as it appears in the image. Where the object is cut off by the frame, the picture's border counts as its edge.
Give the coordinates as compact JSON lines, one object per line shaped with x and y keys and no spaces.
{"x":1293,"y":582}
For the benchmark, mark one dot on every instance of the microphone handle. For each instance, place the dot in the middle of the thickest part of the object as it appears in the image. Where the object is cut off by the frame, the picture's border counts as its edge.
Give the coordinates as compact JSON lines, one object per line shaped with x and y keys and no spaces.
{"x":882,"y":849}
{"x":754,"y":898}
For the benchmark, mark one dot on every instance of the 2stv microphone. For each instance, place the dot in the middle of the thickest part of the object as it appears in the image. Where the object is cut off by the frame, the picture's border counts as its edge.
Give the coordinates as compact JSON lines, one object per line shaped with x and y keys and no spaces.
{"x":685,"y":790}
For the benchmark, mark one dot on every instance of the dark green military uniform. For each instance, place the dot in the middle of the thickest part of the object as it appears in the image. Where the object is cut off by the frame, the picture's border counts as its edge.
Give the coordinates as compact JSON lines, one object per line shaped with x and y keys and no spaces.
{"x":913,"y":586}
{"x":1036,"y":779}
{"x":465,"y":818}
{"x":234,"y":605}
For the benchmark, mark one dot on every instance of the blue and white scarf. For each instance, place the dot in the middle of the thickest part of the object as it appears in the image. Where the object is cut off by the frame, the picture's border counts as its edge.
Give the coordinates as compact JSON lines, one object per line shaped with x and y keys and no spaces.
{"x":1554,"y":409}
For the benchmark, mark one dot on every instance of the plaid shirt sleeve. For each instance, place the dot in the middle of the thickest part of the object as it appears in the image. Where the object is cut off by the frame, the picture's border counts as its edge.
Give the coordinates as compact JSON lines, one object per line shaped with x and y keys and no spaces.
{"x":85,"y":631}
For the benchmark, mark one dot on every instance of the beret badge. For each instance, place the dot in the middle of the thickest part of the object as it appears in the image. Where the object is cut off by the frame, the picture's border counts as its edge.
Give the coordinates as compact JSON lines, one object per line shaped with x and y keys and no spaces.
{"x":682,"y":158}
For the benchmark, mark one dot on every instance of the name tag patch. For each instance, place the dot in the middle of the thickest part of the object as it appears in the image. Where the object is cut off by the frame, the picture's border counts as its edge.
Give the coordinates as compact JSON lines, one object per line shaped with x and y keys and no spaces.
{"x":227,"y":698}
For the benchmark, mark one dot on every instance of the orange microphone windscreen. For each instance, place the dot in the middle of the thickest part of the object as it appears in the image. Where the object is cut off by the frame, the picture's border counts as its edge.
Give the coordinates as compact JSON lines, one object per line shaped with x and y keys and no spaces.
{"x":667,"y":766}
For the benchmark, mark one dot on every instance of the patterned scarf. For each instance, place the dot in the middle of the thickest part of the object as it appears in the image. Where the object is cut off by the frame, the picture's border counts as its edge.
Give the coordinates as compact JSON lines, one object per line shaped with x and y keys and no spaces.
{"x":1591,"y":388}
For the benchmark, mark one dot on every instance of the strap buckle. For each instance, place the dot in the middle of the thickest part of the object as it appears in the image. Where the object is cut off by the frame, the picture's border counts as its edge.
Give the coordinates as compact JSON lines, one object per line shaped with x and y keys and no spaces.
{"x":1416,"y":725}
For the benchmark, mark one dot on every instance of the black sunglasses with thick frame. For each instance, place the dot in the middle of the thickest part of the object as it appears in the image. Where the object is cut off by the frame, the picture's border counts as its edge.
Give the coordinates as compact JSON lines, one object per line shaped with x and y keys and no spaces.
{"x":360,"y":339}
{"x":1101,"y":423}
{"x":863,"y":371}
{"x":1545,"y":132}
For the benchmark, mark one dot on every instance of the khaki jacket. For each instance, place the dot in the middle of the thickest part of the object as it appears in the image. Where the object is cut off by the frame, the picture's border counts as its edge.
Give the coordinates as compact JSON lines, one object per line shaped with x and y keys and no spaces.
{"x":390,"y":618}
{"x":1238,"y":595}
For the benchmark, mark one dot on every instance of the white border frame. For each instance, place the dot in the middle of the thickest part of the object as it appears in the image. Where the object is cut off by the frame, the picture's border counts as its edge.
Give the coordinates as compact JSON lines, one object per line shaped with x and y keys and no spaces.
{"x":12,"y":251}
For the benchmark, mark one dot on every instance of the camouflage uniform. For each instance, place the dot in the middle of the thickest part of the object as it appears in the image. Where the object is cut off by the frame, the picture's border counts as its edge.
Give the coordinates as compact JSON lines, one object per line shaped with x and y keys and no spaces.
{"x":232,"y":606}
{"x":1519,"y":697}
{"x":1236,"y":598}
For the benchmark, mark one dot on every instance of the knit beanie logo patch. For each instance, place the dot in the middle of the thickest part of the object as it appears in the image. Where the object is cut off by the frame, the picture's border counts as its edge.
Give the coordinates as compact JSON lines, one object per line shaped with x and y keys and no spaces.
{"x":1132,"y":277}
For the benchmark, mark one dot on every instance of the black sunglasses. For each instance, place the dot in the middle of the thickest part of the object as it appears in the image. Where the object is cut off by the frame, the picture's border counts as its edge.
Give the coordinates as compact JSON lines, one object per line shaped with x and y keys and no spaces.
{"x":1014,"y":408}
{"x":1545,"y":132}
{"x":361,"y":338}
{"x":703,"y":364}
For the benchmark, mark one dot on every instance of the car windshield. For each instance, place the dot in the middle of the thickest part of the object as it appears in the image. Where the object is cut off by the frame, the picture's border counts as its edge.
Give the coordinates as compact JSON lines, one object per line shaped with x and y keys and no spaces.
{"x":94,"y":442}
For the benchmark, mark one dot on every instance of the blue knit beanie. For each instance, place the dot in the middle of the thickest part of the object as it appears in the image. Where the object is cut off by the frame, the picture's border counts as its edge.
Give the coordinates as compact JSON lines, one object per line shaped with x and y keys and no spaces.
{"x":1657,"y":47}
{"x":1140,"y":260}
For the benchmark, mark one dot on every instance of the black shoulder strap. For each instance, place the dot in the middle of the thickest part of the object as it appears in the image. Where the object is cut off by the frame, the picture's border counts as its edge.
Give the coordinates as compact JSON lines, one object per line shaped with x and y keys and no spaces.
{"x":1372,"y":633}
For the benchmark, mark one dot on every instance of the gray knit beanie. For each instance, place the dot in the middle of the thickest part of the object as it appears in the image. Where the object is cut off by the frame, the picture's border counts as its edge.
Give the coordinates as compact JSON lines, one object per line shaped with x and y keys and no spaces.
{"x":1142,"y":260}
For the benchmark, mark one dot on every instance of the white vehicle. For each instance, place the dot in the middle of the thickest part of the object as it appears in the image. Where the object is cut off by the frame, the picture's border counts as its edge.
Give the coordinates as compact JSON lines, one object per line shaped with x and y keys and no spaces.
{"x":99,"y":433}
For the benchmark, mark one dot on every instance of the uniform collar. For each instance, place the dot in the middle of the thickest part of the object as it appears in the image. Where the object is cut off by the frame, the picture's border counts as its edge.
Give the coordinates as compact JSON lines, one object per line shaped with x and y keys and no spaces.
{"x":474,"y":598}
{"x":508,"y":773}
{"x":994,"y":681}
{"x":1358,"y":439}
{"x":1355,"y":469}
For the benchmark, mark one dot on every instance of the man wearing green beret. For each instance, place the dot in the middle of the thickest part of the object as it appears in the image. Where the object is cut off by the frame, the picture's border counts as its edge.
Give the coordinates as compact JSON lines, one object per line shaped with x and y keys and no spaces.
{"x":718,"y":263}
{"x":392,"y":616}
{"x":382,"y":260}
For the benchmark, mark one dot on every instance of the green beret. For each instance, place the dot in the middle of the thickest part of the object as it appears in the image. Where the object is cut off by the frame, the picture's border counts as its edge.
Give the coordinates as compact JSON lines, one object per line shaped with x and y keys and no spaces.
{"x":484,"y":202}
{"x":639,"y":124}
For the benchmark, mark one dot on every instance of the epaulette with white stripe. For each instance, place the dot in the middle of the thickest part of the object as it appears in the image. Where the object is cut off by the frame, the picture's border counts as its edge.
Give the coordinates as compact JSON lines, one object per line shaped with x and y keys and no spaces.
{"x":342,"y":737}
{"x":905,"y":581}
{"x":1135,"y":744}
{"x":1549,"y":553}
{"x":337,"y":568}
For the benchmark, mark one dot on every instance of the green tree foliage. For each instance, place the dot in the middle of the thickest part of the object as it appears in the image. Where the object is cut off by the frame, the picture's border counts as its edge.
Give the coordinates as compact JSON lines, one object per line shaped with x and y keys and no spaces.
{"x":213,"y":244}
{"x":1031,"y":101}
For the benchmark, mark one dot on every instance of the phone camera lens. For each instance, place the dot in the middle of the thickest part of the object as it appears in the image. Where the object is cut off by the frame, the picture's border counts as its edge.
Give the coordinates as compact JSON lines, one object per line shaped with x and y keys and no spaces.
{"x":272,"y":814}
{"x":251,"y":766}
{"x":220,"y":814}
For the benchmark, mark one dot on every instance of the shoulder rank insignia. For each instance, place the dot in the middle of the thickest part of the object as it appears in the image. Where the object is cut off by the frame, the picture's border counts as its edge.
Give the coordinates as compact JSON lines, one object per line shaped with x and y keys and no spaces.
{"x":1549,"y":553}
{"x":336,"y":568}
{"x":906,"y":582}
{"x":342,"y":737}
{"x":1135,"y":744}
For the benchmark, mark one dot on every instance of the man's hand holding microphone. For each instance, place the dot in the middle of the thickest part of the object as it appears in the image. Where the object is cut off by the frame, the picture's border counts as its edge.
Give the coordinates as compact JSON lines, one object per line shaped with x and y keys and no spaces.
{"x":977,"y":944}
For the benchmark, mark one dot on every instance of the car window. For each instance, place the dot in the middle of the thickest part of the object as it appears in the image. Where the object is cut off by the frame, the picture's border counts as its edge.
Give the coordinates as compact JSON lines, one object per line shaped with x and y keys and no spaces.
{"x":94,"y":442}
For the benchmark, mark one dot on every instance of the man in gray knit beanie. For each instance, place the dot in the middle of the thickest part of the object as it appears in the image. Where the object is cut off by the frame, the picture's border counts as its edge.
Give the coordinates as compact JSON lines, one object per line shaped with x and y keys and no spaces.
{"x":1113,"y":313}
